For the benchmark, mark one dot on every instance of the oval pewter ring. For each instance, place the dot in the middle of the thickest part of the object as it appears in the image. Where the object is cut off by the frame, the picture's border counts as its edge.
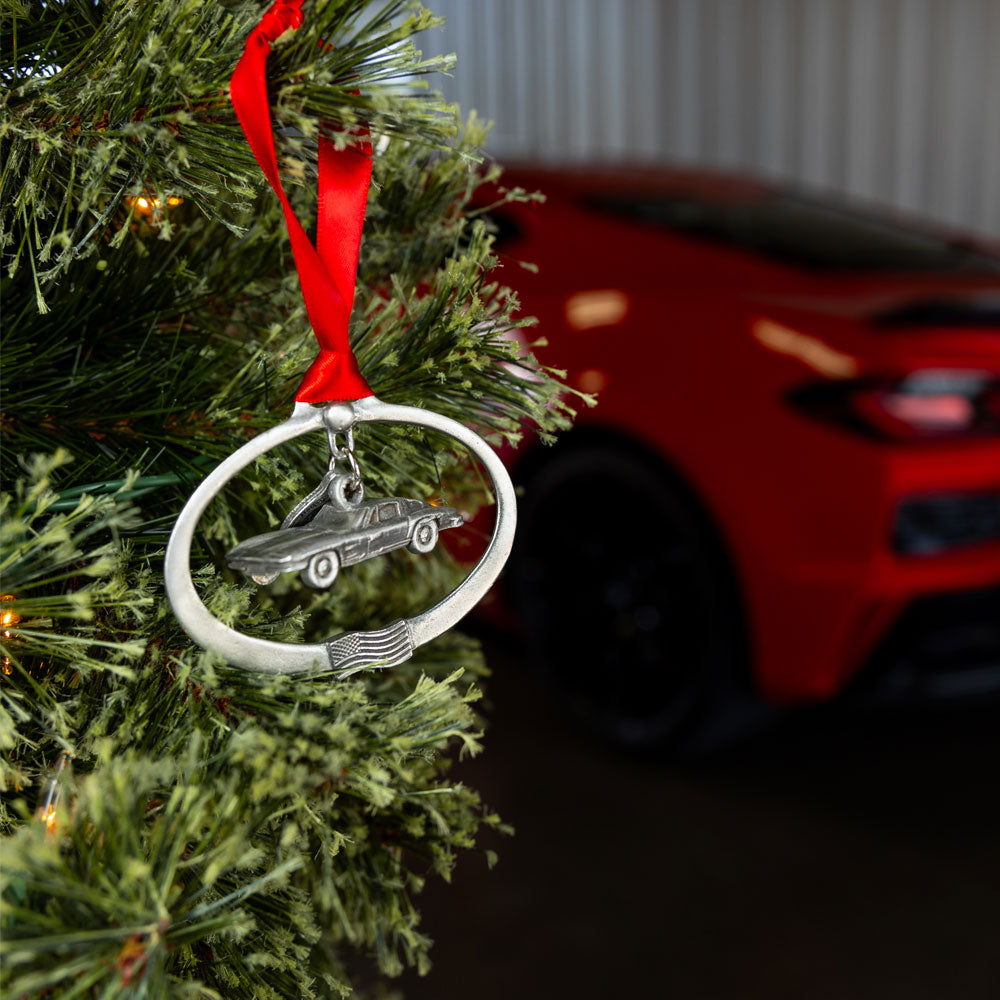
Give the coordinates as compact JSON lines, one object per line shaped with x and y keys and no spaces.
{"x":384,"y":647}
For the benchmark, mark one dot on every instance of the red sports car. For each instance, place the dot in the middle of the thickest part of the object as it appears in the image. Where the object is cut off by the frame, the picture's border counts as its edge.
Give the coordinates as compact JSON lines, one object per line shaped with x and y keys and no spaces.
{"x":792,"y":478}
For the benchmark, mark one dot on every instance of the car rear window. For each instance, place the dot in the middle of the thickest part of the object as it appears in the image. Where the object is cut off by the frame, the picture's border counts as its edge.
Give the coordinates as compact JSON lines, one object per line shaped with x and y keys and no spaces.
{"x":800,"y":231}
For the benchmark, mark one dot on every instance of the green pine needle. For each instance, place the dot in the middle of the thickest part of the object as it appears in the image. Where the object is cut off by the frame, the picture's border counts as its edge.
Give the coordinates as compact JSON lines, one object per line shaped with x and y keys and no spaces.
{"x":219,"y":833}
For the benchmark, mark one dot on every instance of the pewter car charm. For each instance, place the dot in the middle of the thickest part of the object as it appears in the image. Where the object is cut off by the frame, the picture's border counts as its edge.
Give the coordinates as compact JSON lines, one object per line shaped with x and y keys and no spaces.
{"x":342,"y":536}
{"x":335,"y":526}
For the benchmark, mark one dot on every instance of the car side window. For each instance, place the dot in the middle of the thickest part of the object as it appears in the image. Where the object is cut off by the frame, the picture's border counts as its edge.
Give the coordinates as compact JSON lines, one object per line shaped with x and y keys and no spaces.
{"x":387,"y":511}
{"x":802,"y":231}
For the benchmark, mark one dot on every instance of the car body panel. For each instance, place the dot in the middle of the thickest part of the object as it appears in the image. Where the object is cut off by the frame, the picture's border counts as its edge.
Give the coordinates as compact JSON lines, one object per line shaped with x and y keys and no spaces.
{"x":695,"y":359}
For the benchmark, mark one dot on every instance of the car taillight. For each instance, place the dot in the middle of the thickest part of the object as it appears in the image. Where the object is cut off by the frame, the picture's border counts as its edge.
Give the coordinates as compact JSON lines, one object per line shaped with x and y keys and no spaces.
{"x":927,"y":404}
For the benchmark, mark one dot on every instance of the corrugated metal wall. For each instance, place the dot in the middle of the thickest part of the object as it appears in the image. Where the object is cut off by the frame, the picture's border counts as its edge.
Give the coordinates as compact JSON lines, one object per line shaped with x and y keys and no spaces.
{"x":892,"y":100}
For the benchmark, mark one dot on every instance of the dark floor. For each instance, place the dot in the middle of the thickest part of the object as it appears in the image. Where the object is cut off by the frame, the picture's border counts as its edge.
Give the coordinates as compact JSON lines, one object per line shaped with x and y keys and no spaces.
{"x":841,"y":856}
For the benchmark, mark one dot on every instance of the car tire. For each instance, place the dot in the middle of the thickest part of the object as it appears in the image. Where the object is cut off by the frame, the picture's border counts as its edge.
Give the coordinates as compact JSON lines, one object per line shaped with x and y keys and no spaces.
{"x":425,"y":536}
{"x":322,"y":570}
{"x":625,"y":596}
{"x":263,"y":579}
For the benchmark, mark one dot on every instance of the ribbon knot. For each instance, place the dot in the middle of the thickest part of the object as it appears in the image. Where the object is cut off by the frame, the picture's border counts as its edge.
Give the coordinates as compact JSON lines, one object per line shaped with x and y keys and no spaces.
{"x":337,"y":368}
{"x":281,"y":16}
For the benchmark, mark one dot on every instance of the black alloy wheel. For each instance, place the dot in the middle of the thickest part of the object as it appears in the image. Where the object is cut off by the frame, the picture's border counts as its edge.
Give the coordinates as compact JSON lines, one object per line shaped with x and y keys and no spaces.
{"x":626,"y":597}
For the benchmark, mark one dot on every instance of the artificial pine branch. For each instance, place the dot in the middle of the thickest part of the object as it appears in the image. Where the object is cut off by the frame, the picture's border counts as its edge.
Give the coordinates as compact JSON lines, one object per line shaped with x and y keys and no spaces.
{"x":218,"y":833}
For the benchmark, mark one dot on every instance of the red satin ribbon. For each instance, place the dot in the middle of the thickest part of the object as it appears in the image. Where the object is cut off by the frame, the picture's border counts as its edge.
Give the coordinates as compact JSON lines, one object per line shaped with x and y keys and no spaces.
{"x":327,"y":272}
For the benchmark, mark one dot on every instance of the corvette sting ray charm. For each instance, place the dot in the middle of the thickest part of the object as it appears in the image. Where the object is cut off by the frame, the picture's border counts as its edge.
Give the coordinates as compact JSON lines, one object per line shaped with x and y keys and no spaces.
{"x":345,"y":530}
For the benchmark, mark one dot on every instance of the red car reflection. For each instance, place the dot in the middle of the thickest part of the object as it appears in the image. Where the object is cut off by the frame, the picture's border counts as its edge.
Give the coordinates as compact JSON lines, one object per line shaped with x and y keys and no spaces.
{"x":792,"y":478}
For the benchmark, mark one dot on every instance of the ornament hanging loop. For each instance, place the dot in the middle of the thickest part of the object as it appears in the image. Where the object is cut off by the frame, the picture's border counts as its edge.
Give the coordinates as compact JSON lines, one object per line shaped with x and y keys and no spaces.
{"x":343,"y":452}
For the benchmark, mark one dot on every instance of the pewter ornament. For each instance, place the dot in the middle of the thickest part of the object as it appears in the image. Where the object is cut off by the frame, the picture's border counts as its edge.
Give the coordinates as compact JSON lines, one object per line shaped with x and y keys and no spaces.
{"x":342,"y":532}
{"x":342,"y":544}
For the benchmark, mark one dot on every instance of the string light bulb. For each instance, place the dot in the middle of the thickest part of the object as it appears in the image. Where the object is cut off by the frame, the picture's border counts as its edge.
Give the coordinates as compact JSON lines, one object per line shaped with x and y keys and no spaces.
{"x":49,"y":811}
{"x":9,"y":619}
{"x":150,"y":207}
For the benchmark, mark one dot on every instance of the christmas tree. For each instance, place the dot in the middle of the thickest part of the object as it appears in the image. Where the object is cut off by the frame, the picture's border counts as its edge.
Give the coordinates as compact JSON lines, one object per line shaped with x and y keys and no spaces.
{"x":174,"y":826}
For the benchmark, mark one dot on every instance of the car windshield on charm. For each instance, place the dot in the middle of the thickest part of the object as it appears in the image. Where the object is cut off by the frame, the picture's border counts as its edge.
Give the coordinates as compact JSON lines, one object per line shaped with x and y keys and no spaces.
{"x":336,"y":537}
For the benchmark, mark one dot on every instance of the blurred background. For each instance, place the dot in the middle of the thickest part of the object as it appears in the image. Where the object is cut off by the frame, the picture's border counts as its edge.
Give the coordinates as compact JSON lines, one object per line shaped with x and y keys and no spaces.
{"x":829,"y":844}
{"x":897,"y":101}
{"x":842,"y":855}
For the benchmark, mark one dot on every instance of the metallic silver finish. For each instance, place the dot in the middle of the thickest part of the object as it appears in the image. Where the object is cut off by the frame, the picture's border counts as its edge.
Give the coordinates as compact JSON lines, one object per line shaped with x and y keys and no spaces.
{"x":346,"y":530}
{"x":382,"y":647}
{"x":356,"y":650}
{"x":307,"y":508}
{"x":345,"y":452}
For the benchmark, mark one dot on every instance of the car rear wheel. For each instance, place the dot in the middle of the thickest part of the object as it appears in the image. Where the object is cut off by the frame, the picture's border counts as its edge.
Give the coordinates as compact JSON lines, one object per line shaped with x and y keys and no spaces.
{"x":322,"y":570}
{"x":425,"y":536}
{"x":625,"y":596}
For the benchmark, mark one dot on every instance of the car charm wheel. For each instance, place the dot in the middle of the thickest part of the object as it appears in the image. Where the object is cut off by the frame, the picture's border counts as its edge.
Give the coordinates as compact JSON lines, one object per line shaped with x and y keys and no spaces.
{"x":322,"y":570}
{"x":425,"y":537}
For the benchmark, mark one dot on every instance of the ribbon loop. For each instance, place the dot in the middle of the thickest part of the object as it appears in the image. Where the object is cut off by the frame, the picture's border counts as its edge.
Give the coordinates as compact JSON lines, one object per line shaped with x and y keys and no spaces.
{"x":328,"y":271}
{"x":281,"y":16}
